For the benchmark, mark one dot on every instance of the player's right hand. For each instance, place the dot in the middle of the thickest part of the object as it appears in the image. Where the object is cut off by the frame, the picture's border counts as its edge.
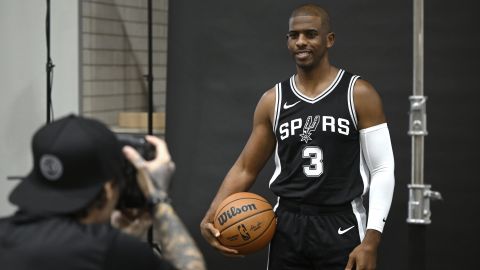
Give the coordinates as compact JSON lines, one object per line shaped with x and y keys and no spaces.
{"x":211,"y":234}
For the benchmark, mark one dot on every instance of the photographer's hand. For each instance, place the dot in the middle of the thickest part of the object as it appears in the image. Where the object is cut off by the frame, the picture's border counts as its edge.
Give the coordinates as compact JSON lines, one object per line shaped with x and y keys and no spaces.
{"x":154,"y":175}
{"x":153,"y":178}
{"x":134,"y":222}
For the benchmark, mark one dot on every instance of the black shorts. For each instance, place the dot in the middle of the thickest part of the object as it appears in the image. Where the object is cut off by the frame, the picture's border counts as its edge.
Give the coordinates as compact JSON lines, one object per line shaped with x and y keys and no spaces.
{"x":312,"y":237}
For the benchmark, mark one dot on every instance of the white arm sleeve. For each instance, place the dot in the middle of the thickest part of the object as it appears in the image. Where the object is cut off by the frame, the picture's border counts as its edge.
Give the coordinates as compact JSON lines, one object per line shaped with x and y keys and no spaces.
{"x":378,"y":154}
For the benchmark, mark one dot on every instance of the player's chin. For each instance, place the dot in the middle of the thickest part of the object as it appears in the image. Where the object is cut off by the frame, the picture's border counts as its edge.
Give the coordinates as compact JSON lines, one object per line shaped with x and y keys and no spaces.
{"x":304,"y":64}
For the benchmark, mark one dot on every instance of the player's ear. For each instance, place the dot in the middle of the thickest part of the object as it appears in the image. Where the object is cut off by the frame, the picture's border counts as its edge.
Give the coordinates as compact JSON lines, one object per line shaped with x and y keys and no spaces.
{"x":330,"y":39}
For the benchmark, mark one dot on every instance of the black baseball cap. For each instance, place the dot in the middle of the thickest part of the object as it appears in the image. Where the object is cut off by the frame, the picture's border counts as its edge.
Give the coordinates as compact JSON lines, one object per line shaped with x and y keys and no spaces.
{"x":73,"y":158}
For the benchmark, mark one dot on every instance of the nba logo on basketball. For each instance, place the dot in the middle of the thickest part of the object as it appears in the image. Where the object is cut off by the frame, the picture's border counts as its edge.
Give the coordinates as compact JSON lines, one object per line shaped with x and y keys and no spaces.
{"x":243,"y":232}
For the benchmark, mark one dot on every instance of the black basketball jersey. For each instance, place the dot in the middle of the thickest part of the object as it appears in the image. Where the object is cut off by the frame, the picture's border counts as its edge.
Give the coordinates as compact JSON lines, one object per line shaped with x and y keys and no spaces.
{"x":318,"y":156}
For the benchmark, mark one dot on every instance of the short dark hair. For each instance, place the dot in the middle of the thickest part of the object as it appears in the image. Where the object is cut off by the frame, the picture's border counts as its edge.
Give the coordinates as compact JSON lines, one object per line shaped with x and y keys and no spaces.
{"x":98,"y":202}
{"x":314,"y":10}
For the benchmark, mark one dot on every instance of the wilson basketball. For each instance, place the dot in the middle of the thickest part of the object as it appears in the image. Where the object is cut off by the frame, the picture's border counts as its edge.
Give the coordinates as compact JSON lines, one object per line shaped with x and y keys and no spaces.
{"x":246,"y":222}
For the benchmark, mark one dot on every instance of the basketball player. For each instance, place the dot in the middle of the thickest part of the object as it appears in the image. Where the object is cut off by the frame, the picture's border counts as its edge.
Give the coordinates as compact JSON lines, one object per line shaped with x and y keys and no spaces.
{"x":328,"y":133}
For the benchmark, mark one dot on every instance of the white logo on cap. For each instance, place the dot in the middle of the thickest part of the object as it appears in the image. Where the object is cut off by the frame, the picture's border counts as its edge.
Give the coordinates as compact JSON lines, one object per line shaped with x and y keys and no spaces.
{"x":51,"y":167}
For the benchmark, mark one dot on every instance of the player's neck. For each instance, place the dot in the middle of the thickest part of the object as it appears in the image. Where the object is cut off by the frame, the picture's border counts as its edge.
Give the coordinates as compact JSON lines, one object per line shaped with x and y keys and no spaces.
{"x":314,"y":81}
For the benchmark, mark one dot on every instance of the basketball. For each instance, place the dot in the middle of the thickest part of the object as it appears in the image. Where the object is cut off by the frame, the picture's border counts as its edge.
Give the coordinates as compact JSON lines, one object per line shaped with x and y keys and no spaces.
{"x":246,"y":222}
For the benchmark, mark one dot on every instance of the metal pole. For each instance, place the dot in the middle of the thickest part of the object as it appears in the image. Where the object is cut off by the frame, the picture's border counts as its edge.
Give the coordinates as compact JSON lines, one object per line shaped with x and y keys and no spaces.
{"x":419,"y":193}
{"x":418,"y":47}
{"x":418,"y":143}
{"x":150,"y":69}
{"x":49,"y":66}
{"x":150,"y":97}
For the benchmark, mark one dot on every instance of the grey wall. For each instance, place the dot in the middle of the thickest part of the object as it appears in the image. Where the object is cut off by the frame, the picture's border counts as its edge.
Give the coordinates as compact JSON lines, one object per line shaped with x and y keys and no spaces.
{"x":224,"y":54}
{"x":23,"y":79}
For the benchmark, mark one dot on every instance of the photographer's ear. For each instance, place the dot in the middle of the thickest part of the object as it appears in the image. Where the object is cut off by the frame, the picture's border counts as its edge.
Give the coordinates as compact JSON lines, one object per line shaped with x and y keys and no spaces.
{"x":112,"y":191}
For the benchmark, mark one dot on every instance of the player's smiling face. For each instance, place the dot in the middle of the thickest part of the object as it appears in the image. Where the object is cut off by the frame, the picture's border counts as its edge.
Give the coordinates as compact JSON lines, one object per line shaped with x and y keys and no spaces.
{"x":307,"y":41}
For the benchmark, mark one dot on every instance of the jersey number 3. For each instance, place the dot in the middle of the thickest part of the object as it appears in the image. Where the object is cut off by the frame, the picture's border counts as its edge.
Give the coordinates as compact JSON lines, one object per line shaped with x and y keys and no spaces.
{"x":315,"y":154}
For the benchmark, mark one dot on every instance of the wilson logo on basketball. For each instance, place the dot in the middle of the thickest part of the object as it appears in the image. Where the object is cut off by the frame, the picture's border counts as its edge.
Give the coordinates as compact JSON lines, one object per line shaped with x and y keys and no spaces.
{"x":233,"y":211}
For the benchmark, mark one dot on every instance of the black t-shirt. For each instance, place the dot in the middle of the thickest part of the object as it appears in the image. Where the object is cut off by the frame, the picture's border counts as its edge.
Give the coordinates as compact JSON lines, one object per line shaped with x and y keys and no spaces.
{"x":28,"y":242}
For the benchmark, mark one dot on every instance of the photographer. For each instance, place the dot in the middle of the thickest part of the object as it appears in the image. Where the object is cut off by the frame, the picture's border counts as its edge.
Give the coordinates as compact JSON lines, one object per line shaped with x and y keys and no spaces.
{"x":66,"y":203}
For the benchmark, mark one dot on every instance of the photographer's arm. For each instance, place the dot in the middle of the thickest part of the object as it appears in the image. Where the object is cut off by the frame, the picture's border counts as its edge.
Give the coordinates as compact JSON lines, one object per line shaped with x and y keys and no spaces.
{"x":178,"y":247}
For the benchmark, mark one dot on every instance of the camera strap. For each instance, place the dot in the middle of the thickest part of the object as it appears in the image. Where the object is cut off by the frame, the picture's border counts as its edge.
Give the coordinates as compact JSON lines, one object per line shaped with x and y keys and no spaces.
{"x":155,"y":246}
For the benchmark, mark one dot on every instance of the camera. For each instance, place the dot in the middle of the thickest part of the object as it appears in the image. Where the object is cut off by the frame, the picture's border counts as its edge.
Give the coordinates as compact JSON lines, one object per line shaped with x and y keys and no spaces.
{"x":130,"y":195}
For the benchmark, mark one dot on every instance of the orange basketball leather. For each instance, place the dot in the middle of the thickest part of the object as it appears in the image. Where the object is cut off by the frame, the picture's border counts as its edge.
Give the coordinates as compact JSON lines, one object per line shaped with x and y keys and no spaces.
{"x":246,"y":222}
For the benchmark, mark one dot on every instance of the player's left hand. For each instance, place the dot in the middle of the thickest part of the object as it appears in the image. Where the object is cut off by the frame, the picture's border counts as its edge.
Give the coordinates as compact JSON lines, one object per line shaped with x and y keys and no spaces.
{"x":364,"y":256}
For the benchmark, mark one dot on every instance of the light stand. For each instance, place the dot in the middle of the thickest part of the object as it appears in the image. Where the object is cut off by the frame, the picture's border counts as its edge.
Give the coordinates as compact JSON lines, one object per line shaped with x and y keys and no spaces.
{"x":419,"y":193}
{"x":49,"y":67}
{"x":150,"y":69}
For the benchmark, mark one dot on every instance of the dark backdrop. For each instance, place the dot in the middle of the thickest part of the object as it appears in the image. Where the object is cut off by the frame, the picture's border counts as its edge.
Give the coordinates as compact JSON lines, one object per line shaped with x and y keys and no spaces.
{"x":224,"y":54}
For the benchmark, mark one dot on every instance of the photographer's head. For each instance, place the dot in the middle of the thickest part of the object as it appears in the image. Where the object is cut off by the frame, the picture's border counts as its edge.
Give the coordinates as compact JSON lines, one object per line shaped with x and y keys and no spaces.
{"x":78,"y":168}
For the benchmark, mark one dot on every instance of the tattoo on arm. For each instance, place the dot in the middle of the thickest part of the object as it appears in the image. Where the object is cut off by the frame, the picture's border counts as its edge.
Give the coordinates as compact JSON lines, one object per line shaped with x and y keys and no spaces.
{"x":177,"y":245}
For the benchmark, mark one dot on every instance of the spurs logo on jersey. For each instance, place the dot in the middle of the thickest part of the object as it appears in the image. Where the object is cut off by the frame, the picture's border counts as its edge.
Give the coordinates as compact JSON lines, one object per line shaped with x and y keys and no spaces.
{"x":328,"y":124}
{"x":317,"y":156}
{"x":309,"y":127}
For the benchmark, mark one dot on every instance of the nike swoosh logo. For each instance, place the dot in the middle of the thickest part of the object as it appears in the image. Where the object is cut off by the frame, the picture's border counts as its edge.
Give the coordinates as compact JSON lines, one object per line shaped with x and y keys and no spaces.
{"x":340,"y":231}
{"x":286,"y":106}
